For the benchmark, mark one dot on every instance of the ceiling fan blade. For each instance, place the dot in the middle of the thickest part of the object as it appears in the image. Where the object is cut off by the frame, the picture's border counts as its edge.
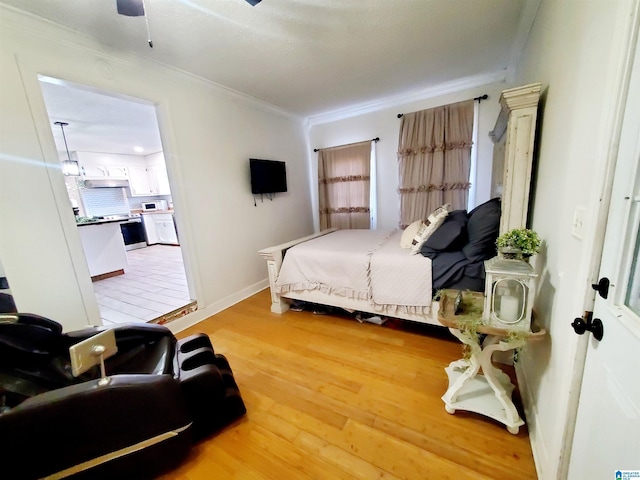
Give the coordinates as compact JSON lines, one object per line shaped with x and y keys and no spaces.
{"x":253,"y":3}
{"x":130,"y":8}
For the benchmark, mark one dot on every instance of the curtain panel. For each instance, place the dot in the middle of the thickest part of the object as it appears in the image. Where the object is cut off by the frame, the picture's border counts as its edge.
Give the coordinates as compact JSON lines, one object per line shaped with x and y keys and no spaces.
{"x":434,"y":159}
{"x":343,"y":186}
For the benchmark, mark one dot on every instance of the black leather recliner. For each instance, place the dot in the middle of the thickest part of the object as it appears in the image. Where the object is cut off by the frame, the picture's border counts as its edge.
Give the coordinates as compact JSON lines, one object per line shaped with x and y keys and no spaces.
{"x":162,"y":395}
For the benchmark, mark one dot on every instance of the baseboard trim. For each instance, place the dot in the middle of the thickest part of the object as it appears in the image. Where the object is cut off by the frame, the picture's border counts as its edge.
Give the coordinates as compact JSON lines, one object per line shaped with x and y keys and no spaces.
{"x":102,"y":276}
{"x":199,"y":315}
{"x":536,"y":437}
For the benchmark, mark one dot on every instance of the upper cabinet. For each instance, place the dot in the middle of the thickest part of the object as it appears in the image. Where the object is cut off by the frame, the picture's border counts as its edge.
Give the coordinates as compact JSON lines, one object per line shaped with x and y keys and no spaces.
{"x":118,"y":172}
{"x":149,"y":181}
{"x":103,"y":166}
{"x":139,"y":181}
{"x":93,"y":172}
{"x":161,"y":179}
{"x":147,"y":175}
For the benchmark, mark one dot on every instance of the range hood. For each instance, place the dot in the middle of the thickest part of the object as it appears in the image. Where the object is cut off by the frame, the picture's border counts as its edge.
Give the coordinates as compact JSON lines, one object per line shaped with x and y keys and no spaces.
{"x":106,"y":183}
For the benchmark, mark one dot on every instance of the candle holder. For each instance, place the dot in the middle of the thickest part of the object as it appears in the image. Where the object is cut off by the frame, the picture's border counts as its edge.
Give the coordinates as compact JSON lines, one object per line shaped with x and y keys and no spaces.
{"x":510,"y":287}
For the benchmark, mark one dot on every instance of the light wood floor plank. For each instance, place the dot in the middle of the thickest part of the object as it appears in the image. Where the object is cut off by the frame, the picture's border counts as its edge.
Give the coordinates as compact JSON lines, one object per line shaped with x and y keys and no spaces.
{"x":328,"y":397}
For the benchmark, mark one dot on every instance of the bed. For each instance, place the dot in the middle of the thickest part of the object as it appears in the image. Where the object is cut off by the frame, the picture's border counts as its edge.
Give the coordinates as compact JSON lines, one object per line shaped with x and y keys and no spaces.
{"x":377,"y":280}
{"x":369,"y":271}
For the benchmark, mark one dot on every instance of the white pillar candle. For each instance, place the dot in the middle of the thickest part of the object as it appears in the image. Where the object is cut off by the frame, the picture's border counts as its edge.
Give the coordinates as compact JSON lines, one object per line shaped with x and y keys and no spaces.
{"x":509,"y":309}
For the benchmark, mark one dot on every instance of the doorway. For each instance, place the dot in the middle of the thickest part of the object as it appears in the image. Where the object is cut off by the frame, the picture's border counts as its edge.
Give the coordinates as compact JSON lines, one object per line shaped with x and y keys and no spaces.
{"x":120,"y":192}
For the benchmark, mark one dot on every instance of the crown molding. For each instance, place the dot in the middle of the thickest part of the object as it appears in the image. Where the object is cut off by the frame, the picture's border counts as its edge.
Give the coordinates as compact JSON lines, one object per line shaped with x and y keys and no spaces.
{"x":408,"y":97}
{"x":25,"y":22}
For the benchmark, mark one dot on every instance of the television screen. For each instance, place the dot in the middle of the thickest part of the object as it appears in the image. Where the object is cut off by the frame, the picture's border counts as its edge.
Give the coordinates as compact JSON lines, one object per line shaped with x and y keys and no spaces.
{"x":267,"y":176}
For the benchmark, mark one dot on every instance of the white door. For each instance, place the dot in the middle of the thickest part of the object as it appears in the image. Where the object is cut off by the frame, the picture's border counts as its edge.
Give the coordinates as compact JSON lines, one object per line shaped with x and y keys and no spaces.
{"x":607,"y":435}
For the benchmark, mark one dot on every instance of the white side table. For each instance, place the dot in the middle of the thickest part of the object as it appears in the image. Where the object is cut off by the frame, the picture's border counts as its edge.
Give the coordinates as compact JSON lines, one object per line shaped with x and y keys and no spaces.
{"x":487,"y":393}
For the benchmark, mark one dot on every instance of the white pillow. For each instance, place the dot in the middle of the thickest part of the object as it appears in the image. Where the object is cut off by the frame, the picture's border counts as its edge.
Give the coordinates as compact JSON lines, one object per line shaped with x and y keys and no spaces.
{"x":432,"y":223}
{"x":409,"y":233}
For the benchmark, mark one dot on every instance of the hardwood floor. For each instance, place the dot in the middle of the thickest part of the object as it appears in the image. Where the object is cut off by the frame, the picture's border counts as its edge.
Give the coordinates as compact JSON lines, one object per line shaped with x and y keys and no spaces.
{"x":328,"y":397}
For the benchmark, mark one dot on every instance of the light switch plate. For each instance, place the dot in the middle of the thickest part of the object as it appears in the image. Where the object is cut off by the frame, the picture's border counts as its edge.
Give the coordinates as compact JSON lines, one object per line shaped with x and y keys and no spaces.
{"x":577,"y":226}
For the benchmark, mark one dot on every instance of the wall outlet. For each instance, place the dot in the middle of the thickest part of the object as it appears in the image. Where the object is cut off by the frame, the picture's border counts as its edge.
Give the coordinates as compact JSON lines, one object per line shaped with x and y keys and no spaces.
{"x":577,"y":227}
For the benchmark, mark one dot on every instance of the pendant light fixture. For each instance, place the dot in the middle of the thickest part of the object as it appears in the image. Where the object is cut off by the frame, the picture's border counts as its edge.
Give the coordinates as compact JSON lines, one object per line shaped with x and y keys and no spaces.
{"x":70,"y":167}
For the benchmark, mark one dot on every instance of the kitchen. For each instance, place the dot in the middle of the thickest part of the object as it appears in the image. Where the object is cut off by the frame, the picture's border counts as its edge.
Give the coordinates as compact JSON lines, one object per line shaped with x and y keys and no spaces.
{"x":119,"y":190}
{"x":106,"y":193}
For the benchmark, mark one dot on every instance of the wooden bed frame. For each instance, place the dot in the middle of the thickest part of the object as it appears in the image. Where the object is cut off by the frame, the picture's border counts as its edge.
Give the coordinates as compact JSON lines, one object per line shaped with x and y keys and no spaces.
{"x":513,"y":137}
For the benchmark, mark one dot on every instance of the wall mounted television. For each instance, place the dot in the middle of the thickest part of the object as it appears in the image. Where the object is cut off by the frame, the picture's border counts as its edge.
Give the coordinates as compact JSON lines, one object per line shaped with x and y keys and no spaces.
{"x":267,"y":176}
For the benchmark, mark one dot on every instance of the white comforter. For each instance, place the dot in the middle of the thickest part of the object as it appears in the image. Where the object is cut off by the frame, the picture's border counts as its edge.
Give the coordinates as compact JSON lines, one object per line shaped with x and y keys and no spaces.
{"x":362,"y":264}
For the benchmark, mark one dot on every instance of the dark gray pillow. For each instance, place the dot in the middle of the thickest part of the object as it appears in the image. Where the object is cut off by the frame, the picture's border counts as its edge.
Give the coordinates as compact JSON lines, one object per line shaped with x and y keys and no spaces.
{"x":483,"y":228}
{"x":450,"y":236}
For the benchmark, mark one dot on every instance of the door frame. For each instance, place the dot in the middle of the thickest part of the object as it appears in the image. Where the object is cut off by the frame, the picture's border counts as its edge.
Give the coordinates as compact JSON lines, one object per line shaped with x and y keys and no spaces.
{"x":615,"y":109}
{"x":30,"y":72}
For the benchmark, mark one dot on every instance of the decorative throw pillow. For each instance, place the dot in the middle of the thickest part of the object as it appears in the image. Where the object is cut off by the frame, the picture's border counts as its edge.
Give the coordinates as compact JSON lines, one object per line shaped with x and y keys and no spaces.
{"x":429,"y":226}
{"x":452,"y":234}
{"x":409,"y":233}
{"x":450,"y":237}
{"x":483,"y":228}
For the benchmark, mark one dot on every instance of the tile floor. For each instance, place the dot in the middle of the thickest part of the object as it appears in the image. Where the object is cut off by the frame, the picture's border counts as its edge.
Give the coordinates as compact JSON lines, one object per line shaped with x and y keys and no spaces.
{"x":153,"y":285}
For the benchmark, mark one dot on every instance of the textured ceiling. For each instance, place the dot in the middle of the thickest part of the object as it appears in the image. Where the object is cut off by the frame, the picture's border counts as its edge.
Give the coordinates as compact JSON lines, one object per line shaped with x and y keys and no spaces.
{"x":309,"y":57}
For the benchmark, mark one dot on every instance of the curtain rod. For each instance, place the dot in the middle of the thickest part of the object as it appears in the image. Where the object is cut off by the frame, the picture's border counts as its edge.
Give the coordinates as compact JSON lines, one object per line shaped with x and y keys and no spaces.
{"x":377,"y":139}
{"x":479,"y":99}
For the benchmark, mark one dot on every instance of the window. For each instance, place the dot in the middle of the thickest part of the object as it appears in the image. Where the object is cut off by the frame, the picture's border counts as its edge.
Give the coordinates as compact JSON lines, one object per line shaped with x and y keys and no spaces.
{"x":344,"y":186}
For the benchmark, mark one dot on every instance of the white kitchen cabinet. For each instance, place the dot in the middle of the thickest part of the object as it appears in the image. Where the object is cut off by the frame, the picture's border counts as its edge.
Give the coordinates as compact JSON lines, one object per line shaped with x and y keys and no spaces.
{"x":150,"y":229}
{"x":118,"y":172}
{"x":92,"y":172}
{"x":149,"y":181}
{"x":139,"y":181}
{"x":160,"y":179}
{"x":160,"y":228}
{"x":166,"y":229}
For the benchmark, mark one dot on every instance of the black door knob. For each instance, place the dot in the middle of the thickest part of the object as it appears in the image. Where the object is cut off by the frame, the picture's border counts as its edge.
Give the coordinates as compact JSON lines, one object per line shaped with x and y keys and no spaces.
{"x":579,"y":326}
{"x":594,"y":326}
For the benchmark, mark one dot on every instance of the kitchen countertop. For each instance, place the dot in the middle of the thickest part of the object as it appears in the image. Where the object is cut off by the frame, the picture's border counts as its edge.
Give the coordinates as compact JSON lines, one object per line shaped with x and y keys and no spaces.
{"x":97,"y":222}
{"x":101,"y":221}
{"x":135,"y":214}
{"x":156,"y":211}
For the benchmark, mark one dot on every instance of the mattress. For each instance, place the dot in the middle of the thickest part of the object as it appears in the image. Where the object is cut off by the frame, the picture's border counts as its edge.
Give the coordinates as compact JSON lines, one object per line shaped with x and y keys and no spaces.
{"x":361,"y":264}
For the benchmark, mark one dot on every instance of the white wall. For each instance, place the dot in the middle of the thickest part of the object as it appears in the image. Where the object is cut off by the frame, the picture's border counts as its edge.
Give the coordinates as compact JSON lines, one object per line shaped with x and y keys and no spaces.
{"x":208,"y":136}
{"x":385,"y":124}
{"x":573,"y":50}
{"x":155,"y":159}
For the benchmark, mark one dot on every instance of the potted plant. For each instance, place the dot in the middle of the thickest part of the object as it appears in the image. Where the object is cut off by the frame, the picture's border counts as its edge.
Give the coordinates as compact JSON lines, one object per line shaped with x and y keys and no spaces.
{"x":518,"y":242}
